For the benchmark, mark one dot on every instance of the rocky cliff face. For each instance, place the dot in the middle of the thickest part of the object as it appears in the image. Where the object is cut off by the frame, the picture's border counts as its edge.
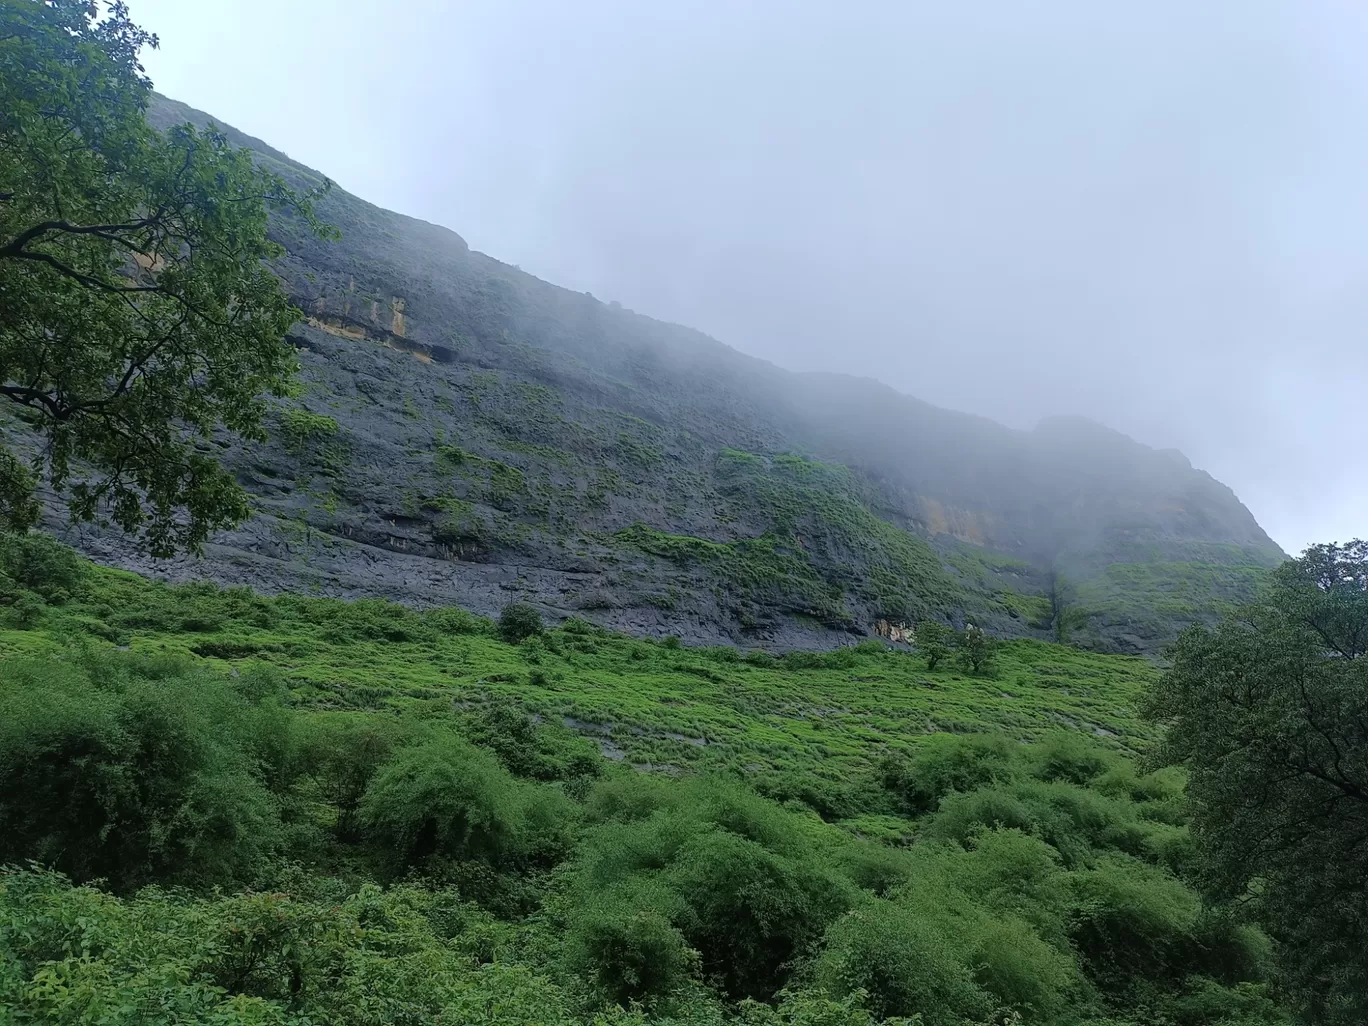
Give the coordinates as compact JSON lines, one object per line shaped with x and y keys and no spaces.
{"x":468,"y":434}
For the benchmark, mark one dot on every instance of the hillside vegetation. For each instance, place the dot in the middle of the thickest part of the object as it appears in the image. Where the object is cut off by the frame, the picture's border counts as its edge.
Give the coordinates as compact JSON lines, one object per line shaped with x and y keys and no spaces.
{"x":301,"y":810}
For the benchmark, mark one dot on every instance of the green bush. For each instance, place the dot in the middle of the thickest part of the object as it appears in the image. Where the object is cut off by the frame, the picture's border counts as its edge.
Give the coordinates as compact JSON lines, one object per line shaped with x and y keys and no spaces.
{"x":451,"y":620}
{"x":1075,"y":821}
{"x":547,"y":827}
{"x":1209,"y":1003}
{"x":444,"y":797}
{"x":872,"y":867}
{"x":753,"y":889}
{"x":504,"y":727}
{"x":962,"y":815}
{"x":626,"y":944}
{"x":975,"y":878}
{"x":518,"y":622}
{"x":362,"y":958}
{"x":343,"y":751}
{"x":1078,"y":821}
{"x":949,"y":762}
{"x":132,"y":779}
{"x":903,"y":964}
{"x":1004,"y":873}
{"x":539,"y":751}
{"x":1021,"y":971}
{"x":303,"y":428}
{"x":813,"y":1008}
{"x":1130,"y":921}
{"x":749,"y":911}
{"x":995,"y":911}
{"x":40,"y":564}
{"x":627,"y":797}
{"x":1071,"y":757}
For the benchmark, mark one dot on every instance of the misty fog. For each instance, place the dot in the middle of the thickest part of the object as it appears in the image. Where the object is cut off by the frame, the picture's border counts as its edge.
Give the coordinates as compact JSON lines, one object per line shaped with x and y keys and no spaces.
{"x":1153,"y":215}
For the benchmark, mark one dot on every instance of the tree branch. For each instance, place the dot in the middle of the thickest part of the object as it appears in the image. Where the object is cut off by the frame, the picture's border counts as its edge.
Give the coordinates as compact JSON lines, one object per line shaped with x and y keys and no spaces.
{"x":15,"y":247}
{"x":84,"y":279}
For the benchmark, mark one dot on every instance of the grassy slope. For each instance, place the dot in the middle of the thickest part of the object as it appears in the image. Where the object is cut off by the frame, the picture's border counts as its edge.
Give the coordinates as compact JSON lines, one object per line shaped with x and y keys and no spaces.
{"x":811,"y":727}
{"x":658,"y":704}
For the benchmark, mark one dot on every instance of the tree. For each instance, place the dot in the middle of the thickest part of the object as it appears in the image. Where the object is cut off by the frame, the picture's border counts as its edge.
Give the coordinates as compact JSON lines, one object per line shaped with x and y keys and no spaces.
{"x":518,"y":622}
{"x":137,"y":313}
{"x":444,"y":798}
{"x":1270,"y":714}
{"x":975,"y":649}
{"x":934,"y":640}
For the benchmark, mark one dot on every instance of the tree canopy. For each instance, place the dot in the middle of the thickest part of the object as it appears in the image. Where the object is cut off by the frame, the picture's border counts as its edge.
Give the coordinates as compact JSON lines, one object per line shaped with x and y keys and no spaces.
{"x":137,"y":311}
{"x":1270,"y":714}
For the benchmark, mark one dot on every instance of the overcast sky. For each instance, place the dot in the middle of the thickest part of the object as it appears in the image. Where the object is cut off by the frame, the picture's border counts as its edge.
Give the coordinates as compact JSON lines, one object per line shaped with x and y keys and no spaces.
{"x":1153,"y":214}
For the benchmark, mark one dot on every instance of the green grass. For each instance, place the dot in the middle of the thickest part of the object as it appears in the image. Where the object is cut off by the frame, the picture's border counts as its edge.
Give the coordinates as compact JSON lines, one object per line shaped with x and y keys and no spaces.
{"x":819,"y":716}
{"x":827,"y":513}
{"x":302,"y":427}
{"x":1183,"y":592}
{"x":501,"y":484}
{"x":314,"y":437}
{"x":818,"y":550}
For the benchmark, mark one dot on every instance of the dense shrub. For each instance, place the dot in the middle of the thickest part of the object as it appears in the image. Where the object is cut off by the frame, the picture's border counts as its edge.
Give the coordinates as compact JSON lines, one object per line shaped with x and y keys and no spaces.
{"x":117,"y":776}
{"x":629,"y":797}
{"x":1020,"y":970}
{"x":1131,"y":921}
{"x":752,"y":889}
{"x":1005,"y":873}
{"x":975,"y":877}
{"x":1001,"y":908}
{"x":359,"y":958}
{"x":444,"y":797}
{"x":343,"y":751}
{"x":873,"y":867}
{"x":1209,"y":1003}
{"x":949,"y":762}
{"x":1071,"y":757}
{"x":518,"y":622}
{"x":903,"y":964}
{"x":530,"y":749}
{"x":626,"y":943}
{"x":37,"y":563}
{"x":962,"y":815}
{"x":749,"y":911}
{"x":450,"y":620}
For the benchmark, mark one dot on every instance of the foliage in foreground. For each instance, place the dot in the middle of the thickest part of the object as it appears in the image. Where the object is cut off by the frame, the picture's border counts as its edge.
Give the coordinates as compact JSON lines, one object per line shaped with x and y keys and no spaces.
{"x":137,"y":313}
{"x":1270,"y":712}
{"x":390,"y":869}
{"x":238,"y":848}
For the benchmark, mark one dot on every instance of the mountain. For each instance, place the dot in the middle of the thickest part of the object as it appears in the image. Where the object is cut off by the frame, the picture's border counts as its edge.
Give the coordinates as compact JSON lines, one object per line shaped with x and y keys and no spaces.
{"x":468,"y":434}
